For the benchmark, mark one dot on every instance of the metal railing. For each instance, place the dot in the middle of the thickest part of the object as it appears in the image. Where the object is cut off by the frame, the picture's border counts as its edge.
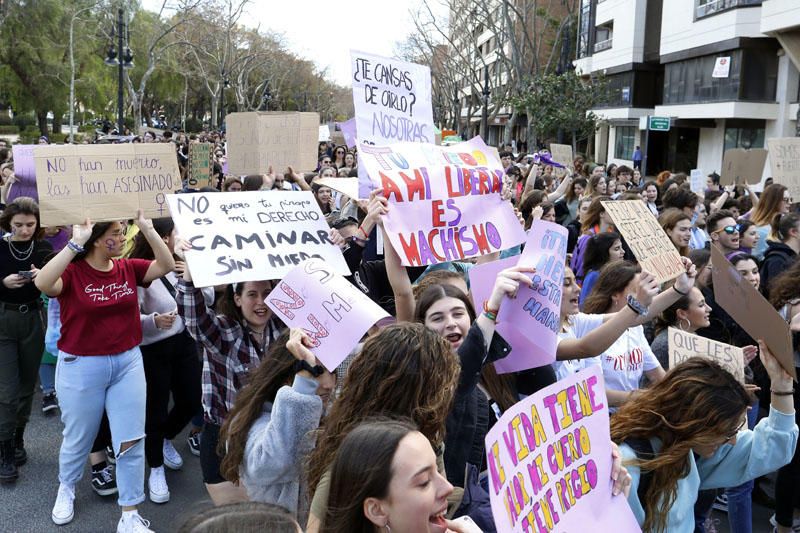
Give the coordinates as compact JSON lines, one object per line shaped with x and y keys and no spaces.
{"x":715,"y":6}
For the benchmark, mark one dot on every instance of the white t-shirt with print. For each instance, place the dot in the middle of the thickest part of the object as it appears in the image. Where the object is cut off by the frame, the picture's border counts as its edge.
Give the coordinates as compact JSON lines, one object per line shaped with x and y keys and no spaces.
{"x":579,"y":325}
{"x":626,"y":361}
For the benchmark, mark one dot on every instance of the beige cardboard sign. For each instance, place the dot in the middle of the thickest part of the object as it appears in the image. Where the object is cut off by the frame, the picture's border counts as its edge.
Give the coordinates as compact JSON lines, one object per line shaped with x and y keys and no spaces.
{"x":751,"y":310}
{"x":684,"y":345}
{"x":647,"y":240}
{"x":199,"y":165}
{"x":740,"y":166}
{"x":562,"y":153}
{"x":346,"y":186}
{"x":104,"y":181}
{"x":258,"y":140}
{"x":784,"y":161}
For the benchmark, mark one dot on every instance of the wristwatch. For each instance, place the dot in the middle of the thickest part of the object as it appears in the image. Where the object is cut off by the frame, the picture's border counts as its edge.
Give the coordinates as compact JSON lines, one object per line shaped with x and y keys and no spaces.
{"x":637,"y":307}
{"x":316,"y":370}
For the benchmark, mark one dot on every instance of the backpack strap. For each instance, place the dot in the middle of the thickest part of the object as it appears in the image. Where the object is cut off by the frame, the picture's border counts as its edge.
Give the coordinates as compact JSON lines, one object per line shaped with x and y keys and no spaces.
{"x":169,"y":286}
{"x":644,"y":452}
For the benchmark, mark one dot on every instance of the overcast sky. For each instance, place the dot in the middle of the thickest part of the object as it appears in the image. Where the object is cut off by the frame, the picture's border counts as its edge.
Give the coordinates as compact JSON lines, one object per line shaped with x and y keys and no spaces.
{"x":326,"y":31}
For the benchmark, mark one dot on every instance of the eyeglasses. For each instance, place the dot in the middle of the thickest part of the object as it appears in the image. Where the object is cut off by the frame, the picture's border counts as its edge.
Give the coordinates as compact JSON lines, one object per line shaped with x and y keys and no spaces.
{"x":730,"y":230}
{"x":738,"y":429}
{"x":788,"y":200}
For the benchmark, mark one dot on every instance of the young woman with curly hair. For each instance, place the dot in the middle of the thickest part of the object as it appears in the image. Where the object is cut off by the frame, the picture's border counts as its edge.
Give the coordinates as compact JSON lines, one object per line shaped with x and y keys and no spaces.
{"x":686,"y":434}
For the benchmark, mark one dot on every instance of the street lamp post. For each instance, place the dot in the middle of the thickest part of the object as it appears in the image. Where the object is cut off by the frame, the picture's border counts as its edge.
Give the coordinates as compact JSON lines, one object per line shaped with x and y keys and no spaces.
{"x":455,"y":110}
{"x":116,"y":58}
{"x":225,"y":84}
{"x":485,"y":112}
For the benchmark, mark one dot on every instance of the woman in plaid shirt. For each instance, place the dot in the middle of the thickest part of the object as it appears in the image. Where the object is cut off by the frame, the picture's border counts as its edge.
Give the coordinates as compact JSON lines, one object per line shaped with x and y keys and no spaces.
{"x":234,"y":338}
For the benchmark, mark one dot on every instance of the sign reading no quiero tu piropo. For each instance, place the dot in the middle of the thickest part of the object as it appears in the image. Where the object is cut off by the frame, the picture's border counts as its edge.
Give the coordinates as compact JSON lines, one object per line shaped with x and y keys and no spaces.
{"x":249,"y":236}
{"x":104,"y":182}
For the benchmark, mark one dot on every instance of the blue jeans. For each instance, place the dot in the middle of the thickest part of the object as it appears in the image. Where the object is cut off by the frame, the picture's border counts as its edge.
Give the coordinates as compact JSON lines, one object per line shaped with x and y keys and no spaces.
{"x":740,"y":501}
{"x":47,"y":377}
{"x":87,"y":385}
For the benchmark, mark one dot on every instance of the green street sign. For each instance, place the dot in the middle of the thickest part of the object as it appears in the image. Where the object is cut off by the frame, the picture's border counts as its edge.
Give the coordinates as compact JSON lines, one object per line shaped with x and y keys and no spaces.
{"x":659,"y":123}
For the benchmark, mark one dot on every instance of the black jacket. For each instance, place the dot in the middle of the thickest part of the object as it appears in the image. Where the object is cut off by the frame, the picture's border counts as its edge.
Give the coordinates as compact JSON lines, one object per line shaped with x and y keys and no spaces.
{"x":777,"y":259}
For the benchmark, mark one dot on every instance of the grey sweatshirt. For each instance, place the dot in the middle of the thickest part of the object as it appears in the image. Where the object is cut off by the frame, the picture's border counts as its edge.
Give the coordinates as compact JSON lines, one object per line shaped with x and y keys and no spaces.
{"x":277,"y":445}
{"x":157,"y":300}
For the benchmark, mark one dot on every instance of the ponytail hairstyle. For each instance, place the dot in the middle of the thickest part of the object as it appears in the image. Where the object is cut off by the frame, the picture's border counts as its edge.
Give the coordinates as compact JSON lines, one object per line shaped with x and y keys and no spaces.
{"x":669,"y":317}
{"x":782,"y":224}
{"x":592,"y":217}
{"x":597,"y":250}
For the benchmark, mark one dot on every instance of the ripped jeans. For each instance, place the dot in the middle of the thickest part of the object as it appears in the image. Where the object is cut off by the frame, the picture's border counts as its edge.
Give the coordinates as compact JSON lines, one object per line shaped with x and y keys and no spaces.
{"x":88,"y":385}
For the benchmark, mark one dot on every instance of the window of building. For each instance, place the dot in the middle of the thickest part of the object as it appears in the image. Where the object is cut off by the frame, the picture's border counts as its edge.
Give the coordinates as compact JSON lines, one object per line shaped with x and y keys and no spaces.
{"x":603,"y":36}
{"x":585,"y":28}
{"x":744,"y":134}
{"x":624,"y":142}
{"x":705,"y":8}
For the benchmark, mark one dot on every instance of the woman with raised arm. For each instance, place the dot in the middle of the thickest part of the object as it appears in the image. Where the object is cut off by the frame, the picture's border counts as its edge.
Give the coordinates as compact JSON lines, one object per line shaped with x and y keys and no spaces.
{"x":99,"y":362}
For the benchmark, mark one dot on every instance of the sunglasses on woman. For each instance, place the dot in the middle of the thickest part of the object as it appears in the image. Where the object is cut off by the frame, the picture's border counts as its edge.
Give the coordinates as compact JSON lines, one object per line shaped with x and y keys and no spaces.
{"x":730,"y":230}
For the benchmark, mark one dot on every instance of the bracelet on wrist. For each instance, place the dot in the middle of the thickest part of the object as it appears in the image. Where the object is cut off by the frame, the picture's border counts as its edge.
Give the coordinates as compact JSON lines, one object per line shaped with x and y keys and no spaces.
{"x":679,"y":292}
{"x":75,"y":247}
{"x":491,"y":316}
{"x":366,"y":235}
{"x":782,"y":392}
{"x":487,"y":309}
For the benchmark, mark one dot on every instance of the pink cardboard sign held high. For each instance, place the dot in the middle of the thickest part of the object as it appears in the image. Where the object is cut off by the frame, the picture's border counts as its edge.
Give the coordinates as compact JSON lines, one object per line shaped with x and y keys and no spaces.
{"x":549,"y":462}
{"x":334,"y":313}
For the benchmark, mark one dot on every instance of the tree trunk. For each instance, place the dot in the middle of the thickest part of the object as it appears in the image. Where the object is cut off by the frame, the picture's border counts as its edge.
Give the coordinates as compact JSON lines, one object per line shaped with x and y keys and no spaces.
{"x":508,"y":133}
{"x":41,"y":120}
{"x":531,"y":133}
{"x":136,"y":105}
{"x":57,"y":123}
{"x":214,"y":112}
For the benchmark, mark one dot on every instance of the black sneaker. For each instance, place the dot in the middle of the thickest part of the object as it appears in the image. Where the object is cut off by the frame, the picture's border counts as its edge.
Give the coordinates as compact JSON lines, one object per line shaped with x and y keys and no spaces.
{"x":20,"y":455}
{"x":49,"y":403}
{"x":8,"y":470}
{"x":103,"y":481}
{"x":112,"y":459}
{"x":193,"y":440}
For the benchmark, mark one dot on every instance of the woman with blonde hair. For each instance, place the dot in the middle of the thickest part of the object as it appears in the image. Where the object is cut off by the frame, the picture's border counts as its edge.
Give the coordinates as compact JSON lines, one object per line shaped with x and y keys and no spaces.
{"x":775,"y":199}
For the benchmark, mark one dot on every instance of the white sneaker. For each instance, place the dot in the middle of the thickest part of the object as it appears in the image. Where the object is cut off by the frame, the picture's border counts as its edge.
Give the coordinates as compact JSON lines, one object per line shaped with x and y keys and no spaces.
{"x":172,"y":459}
{"x":64,"y":509}
{"x":159,"y":491}
{"x":131,"y":522}
{"x":795,"y":523}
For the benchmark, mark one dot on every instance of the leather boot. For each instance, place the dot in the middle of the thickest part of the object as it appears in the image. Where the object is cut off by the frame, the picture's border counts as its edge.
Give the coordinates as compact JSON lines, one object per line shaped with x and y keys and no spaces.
{"x":20,"y":455}
{"x":8,"y":470}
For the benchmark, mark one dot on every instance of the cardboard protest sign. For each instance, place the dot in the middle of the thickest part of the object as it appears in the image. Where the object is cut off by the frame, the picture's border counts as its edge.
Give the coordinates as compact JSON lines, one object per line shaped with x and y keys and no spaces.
{"x":784,"y":161}
{"x":258,"y":140}
{"x":392,"y":102}
{"x":751,"y":310}
{"x":445,"y":202}
{"x":25,"y":172}
{"x":549,"y":462}
{"x":199,"y":165}
{"x":646,"y":239}
{"x":531,"y":321}
{"x":254,"y":235}
{"x":333,"y":312}
{"x":324,"y":133}
{"x":740,"y":166}
{"x":562,"y":153}
{"x":684,"y":345}
{"x":104,"y":181}
{"x":346,"y":186}
{"x":697,"y":181}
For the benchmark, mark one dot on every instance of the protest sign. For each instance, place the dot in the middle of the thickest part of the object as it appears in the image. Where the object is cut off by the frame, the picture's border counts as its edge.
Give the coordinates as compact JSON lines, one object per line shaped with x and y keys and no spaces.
{"x":784,"y":161}
{"x":24,"y":172}
{"x":646,"y":239}
{"x":104,"y":181}
{"x":346,"y":186}
{"x":684,"y":345}
{"x":324,"y":133}
{"x":740,"y":166}
{"x":751,"y":310}
{"x":392,"y":101}
{"x":258,"y":140}
{"x":549,"y":462}
{"x":697,"y":181}
{"x":254,"y":235}
{"x":561,"y":153}
{"x":445,"y":202}
{"x":531,"y":321}
{"x":348,"y":129}
{"x":333,"y":312}
{"x":199,"y":165}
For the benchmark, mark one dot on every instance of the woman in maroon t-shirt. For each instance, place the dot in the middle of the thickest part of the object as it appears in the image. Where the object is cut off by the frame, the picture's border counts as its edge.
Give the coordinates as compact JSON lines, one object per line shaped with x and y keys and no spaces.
{"x":99,"y":362}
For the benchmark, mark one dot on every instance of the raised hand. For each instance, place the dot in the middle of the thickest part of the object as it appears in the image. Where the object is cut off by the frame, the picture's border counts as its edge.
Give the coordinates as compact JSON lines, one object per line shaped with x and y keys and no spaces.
{"x":647,"y":289}
{"x":82,"y":232}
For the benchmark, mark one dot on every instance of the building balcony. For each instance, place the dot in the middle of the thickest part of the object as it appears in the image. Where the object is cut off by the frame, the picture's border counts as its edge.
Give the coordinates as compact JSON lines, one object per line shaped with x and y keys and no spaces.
{"x":717,"y":6}
{"x":602,"y":45}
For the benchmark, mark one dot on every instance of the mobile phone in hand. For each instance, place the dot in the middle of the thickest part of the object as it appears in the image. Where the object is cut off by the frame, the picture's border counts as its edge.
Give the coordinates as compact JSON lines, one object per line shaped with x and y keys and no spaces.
{"x":27,"y":274}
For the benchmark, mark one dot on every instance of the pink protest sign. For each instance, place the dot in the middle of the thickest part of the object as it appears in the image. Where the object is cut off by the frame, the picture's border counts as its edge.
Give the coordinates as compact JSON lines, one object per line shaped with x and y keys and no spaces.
{"x":348,"y":128}
{"x":334,"y":313}
{"x":25,"y":172}
{"x":530,"y":322}
{"x":444,"y":201}
{"x":549,"y":462}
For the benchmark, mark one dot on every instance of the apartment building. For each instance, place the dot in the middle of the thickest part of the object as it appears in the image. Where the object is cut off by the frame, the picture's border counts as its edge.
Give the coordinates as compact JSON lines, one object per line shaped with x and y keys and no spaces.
{"x":724,"y":72}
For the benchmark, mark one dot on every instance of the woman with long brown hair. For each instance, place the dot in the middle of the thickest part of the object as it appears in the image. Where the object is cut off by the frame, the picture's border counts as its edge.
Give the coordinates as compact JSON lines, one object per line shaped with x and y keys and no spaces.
{"x":404,"y":370}
{"x":678,"y":227}
{"x":685,"y":434}
{"x":268,"y":434}
{"x":775,"y":199}
{"x":595,"y":221}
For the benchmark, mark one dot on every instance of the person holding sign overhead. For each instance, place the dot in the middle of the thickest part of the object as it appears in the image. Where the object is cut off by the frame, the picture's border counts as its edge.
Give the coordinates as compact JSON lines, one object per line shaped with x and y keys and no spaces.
{"x":99,"y":362}
{"x":685,"y":434}
{"x":22,"y":253}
